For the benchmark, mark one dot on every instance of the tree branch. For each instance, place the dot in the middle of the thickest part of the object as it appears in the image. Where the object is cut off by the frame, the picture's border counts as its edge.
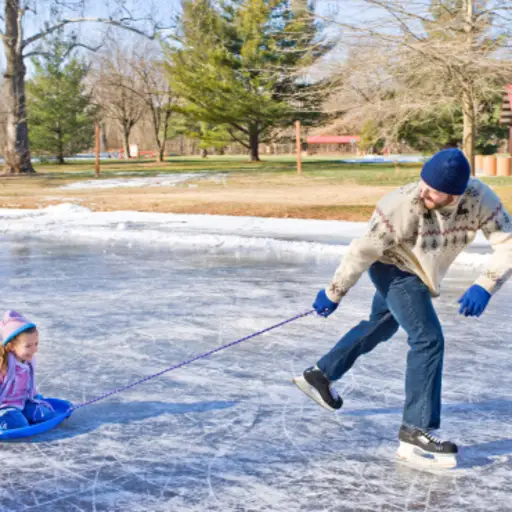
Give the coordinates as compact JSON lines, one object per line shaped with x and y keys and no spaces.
{"x":121,"y":23}
{"x":240,"y":128}
{"x":36,"y":53}
{"x":19,"y":18}
{"x":235,"y":138}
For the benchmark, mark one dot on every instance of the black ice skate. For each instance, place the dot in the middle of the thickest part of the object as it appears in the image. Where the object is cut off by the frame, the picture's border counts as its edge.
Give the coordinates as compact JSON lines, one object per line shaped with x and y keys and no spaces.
{"x":419,"y":446}
{"x":316,"y":385}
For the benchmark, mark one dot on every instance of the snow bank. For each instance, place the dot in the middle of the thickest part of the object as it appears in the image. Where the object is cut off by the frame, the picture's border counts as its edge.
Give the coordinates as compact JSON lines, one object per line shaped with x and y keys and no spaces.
{"x":284,"y":238}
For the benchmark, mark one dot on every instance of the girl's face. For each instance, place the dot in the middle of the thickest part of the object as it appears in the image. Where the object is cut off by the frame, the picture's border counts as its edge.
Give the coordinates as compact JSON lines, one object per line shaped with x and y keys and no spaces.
{"x":24,"y":347}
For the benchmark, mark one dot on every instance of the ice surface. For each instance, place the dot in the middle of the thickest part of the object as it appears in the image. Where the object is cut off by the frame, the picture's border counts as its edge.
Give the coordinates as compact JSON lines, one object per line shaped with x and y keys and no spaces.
{"x":231,"y":432}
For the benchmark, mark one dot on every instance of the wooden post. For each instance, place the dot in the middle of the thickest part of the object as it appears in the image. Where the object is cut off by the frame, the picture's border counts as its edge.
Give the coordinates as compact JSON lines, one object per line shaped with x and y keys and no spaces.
{"x":97,"y":163}
{"x":299,"y":147}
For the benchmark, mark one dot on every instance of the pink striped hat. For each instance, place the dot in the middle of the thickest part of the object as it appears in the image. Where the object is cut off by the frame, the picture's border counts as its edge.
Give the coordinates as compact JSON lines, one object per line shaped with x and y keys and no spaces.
{"x":13,"y":324}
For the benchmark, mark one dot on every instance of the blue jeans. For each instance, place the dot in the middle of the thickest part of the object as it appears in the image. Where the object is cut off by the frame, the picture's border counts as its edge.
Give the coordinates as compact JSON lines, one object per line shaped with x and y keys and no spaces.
{"x":11,"y":417}
{"x":401,"y":299}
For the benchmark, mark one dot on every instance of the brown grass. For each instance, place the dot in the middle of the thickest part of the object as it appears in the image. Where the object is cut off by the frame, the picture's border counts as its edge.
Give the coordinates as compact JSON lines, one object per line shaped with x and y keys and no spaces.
{"x":320,"y":193}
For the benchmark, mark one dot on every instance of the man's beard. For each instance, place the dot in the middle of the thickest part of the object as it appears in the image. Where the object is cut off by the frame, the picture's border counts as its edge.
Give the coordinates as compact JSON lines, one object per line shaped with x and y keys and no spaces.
{"x":437,"y":206}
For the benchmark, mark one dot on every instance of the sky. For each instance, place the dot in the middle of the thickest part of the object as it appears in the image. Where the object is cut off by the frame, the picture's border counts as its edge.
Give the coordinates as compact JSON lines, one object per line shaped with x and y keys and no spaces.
{"x":162,"y":10}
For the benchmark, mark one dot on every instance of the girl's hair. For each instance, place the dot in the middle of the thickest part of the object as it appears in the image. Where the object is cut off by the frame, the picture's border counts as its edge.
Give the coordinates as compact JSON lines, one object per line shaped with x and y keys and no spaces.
{"x":4,"y":351}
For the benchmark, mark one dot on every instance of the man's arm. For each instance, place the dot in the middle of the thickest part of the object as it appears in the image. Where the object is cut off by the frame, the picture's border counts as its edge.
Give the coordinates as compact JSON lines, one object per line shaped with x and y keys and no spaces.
{"x":496,"y":225}
{"x":362,"y":252}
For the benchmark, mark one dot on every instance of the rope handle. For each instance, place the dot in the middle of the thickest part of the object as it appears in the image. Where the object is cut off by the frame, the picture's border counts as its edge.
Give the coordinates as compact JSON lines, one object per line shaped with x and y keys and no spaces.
{"x":188,"y":361}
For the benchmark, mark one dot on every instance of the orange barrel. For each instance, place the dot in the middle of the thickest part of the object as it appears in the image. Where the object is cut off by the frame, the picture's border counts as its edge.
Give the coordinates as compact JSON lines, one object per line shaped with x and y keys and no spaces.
{"x":490,"y":165}
{"x":479,"y":164}
{"x":504,"y":166}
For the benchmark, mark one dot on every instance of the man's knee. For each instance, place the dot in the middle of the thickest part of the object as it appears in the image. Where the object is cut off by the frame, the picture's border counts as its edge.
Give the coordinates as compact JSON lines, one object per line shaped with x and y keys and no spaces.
{"x":385,"y":326}
{"x":432,"y":341}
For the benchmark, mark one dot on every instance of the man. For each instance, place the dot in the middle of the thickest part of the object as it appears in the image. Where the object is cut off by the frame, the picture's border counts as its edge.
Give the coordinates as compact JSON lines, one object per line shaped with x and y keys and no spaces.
{"x":415,"y":234}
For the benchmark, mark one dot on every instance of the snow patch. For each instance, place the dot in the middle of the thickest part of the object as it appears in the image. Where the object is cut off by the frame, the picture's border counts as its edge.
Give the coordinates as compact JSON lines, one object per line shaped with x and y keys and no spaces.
{"x":161,"y":180}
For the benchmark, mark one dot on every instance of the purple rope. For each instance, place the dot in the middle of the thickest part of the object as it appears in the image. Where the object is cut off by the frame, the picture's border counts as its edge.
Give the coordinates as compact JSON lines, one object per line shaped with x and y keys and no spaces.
{"x":200,"y":356}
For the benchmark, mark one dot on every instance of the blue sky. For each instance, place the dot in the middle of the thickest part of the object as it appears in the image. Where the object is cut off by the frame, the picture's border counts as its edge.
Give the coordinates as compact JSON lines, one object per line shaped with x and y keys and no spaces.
{"x":163,"y":10}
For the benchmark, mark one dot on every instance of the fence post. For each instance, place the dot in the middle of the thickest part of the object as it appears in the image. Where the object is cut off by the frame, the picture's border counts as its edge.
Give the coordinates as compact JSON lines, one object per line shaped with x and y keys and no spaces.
{"x":299,"y":147}
{"x":97,"y":162}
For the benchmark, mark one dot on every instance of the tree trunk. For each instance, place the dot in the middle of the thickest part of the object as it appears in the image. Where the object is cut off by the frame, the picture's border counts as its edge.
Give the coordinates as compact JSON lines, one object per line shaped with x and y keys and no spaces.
{"x":161,"y":152}
{"x":126,"y":142}
{"x":468,"y":140}
{"x":103,"y":138}
{"x":60,"y":155}
{"x":161,"y":145}
{"x":468,"y":101}
{"x":16,"y":151}
{"x":254,"y":142}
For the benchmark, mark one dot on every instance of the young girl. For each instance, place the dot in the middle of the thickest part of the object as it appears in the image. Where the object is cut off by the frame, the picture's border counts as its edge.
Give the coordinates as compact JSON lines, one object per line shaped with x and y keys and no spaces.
{"x":20,"y":406}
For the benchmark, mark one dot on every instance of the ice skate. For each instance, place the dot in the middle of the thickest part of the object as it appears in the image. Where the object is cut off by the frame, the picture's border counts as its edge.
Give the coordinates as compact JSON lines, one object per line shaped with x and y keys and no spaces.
{"x":423,"y":448}
{"x":316,"y":385}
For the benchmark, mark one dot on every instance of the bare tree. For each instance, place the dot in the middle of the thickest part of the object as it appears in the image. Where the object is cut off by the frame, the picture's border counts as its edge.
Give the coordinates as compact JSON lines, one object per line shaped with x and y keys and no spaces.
{"x":3,"y":115}
{"x":117,"y":90}
{"x":408,"y":56}
{"x":18,"y":46}
{"x":157,"y":95}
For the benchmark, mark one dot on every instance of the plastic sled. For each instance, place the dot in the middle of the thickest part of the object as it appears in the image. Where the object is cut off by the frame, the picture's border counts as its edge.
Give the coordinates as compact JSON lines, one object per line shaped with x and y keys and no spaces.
{"x":61,"y":407}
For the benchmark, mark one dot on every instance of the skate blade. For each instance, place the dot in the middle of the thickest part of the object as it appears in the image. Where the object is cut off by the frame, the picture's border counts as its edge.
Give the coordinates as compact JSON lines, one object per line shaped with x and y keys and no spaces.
{"x":310,"y":391}
{"x":418,"y":457}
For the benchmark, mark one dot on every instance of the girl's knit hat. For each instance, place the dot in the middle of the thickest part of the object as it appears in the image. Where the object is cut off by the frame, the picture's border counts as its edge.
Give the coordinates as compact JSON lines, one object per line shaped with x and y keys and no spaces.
{"x":13,"y":324}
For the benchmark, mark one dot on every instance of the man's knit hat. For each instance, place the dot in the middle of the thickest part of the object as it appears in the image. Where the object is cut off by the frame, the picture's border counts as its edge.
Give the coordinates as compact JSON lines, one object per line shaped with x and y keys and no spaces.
{"x":447,"y":171}
{"x":13,"y":324}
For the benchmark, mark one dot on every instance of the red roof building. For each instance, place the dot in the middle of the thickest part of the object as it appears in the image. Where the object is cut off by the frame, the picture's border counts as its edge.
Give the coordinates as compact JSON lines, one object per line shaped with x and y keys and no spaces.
{"x":333,"y":139}
{"x":332,"y":144}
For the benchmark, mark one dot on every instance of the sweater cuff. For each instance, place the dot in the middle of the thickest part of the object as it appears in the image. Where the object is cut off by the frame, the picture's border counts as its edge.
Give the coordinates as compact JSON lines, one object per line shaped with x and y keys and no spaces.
{"x":333,"y":293}
{"x":488,"y":283}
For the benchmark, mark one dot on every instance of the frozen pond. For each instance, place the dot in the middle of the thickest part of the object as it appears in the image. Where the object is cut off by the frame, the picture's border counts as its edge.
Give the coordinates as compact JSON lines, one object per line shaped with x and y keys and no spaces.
{"x":231,"y":432}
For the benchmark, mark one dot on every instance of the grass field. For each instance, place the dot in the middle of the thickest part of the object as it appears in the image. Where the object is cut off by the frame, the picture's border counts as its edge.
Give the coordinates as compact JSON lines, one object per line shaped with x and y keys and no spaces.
{"x":326,"y":189}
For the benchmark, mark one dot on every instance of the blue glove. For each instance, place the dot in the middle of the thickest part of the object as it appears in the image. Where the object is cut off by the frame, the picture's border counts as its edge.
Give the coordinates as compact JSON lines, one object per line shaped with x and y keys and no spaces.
{"x":474,"y":301}
{"x":323,"y":305}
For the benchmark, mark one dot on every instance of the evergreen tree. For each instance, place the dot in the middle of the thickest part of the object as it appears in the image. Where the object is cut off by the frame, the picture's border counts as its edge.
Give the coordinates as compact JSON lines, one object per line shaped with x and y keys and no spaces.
{"x":236,"y":65}
{"x":60,"y":113}
{"x":210,"y":137}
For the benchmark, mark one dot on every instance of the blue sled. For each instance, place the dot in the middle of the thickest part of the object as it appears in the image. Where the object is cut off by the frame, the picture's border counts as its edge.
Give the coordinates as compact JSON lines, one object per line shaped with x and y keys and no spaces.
{"x":63,"y":411}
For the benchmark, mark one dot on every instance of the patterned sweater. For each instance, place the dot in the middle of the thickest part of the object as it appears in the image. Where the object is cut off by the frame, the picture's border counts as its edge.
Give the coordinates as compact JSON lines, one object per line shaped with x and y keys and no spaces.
{"x":403,"y":232}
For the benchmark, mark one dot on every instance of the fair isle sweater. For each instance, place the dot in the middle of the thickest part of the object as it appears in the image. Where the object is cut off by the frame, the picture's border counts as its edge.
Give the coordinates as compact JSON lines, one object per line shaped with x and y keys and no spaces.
{"x":403,"y":232}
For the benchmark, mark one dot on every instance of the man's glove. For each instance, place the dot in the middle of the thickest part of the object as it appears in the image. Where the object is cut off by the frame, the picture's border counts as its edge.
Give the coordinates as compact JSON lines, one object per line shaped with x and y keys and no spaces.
{"x":474,"y":301}
{"x":323,"y":305}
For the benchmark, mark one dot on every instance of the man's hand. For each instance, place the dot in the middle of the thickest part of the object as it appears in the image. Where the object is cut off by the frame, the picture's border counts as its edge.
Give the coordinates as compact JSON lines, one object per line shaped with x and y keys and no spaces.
{"x":474,"y":301}
{"x":323,"y":305}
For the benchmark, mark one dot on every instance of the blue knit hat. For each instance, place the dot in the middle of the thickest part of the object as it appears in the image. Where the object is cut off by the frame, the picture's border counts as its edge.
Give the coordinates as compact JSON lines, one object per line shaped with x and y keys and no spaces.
{"x":447,"y":171}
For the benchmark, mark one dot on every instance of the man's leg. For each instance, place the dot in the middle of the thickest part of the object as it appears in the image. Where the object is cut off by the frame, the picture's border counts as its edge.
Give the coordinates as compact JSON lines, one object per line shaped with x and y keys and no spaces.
{"x":316,"y":382}
{"x":410,"y":302}
{"x":361,"y":339}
